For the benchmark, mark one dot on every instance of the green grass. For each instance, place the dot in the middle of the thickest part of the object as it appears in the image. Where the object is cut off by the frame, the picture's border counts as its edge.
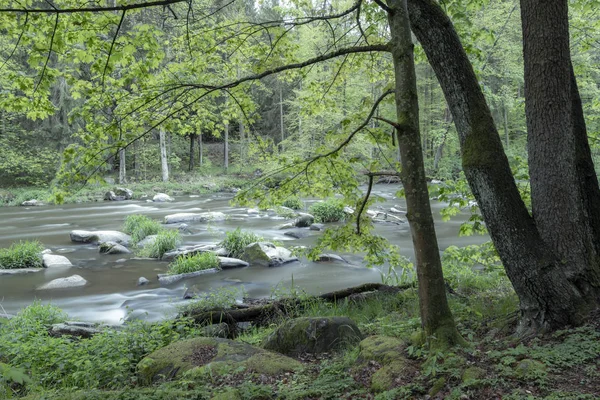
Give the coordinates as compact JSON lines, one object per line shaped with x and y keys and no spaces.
{"x":166,"y":240}
{"x":140,"y":226}
{"x":25,"y":254}
{"x":236,"y":241}
{"x":193,"y":263}
{"x":330,"y":210}
{"x":294,"y":203}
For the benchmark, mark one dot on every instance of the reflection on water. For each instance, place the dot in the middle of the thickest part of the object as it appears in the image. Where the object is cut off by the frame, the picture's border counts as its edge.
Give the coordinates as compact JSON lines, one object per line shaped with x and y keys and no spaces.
{"x":112,"y":292}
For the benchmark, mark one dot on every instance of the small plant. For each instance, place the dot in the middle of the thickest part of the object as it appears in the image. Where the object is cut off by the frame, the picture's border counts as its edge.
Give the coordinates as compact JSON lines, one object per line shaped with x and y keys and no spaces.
{"x":286,"y":212}
{"x":222,"y":298}
{"x":294,"y":203}
{"x":25,"y":254}
{"x":330,"y":210}
{"x":237,"y":240}
{"x":140,"y":226}
{"x":193,"y":263}
{"x":166,"y":240}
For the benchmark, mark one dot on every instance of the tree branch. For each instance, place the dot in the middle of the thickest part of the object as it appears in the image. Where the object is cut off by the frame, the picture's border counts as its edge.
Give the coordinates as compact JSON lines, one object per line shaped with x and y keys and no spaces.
{"x":122,"y":8}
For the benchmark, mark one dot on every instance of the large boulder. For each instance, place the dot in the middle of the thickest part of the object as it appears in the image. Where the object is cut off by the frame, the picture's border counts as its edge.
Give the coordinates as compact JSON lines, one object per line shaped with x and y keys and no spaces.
{"x":54,"y":261}
{"x":267,"y":255}
{"x":113,"y":248}
{"x":64,"y":283}
{"x":81,"y":236}
{"x":313,"y":335}
{"x":194,"y":217}
{"x":147,"y":241}
{"x":126,"y":194}
{"x":386,"y":352}
{"x":230,"y":263}
{"x":297,"y":233}
{"x":304,"y":220}
{"x":203,"y":357}
{"x":112,"y":196}
{"x":161,"y":198}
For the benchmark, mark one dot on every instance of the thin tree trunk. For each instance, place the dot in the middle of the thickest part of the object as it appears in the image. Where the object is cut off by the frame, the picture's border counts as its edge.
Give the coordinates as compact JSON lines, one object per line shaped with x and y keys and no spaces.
{"x":505,"y":119}
{"x":547,"y":298}
{"x":281,"y":128}
{"x":226,"y":148}
{"x":192,"y":141}
{"x":200,"y":160}
{"x":163,"y":155}
{"x":242,"y":142}
{"x":436,"y":318}
{"x":122,"y":167}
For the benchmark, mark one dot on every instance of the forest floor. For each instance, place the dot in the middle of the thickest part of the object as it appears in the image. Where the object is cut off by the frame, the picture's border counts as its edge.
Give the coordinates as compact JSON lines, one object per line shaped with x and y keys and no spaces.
{"x":495,"y":365}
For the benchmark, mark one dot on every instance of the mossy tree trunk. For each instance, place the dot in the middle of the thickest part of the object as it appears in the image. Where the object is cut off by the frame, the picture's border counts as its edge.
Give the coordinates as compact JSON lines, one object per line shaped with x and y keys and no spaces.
{"x":436,"y":317}
{"x":548,"y":297}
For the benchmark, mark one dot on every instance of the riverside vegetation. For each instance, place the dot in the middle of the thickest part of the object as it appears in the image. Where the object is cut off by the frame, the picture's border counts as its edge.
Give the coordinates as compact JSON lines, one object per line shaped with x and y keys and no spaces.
{"x":564,"y":365}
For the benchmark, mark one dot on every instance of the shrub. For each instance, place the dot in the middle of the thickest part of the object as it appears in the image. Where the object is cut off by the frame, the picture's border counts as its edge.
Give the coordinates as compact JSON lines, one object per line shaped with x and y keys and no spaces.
{"x":193,"y":263}
{"x":294,"y":203}
{"x":166,"y":240}
{"x":140,"y":226}
{"x":25,"y":254}
{"x":330,"y":210}
{"x":237,"y":240}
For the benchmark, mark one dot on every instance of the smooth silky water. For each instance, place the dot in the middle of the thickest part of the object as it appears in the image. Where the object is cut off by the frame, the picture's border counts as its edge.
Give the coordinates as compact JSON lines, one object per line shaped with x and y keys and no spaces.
{"x":112,"y":293}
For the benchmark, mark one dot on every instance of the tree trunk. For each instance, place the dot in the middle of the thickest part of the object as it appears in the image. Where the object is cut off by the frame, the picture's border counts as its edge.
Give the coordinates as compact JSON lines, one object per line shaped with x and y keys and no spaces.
{"x":563,"y":195}
{"x":281,"y":128}
{"x":192,"y":141}
{"x":163,"y":154}
{"x":226,"y":148}
{"x":436,"y":318}
{"x":505,"y":121}
{"x":242,"y":142}
{"x":122,"y":167}
{"x":200,"y":160}
{"x":548,"y":299}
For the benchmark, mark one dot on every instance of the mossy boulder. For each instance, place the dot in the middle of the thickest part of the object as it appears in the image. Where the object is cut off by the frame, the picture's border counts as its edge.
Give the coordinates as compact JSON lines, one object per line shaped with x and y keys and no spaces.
{"x":472,"y":374}
{"x":313,"y":335}
{"x":528,"y":369}
{"x":388,"y":352}
{"x":228,"y":394}
{"x":199,"y":357}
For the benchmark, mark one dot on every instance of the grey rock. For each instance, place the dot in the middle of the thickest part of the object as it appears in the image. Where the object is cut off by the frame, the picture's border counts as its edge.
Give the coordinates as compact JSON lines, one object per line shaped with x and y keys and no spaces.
{"x":317,"y":227}
{"x":46,"y":251}
{"x":304,"y":221}
{"x":194,"y":249}
{"x":267,"y":255}
{"x":161,"y":198}
{"x":252,"y":211}
{"x":112,"y":196}
{"x":183,"y":228}
{"x":221,"y":330}
{"x":54,"y":261}
{"x":31,"y":203}
{"x":142,"y":281}
{"x":19,"y":271}
{"x":64,"y":283}
{"x":230,"y":263}
{"x":82,"y":330}
{"x":194,"y":217}
{"x":288,"y":225}
{"x":80,"y":236}
{"x":313,"y":335}
{"x":126,"y":194}
{"x":113,"y":248}
{"x":147,"y":241}
{"x":328,"y":257}
{"x":297,"y":233}
{"x":165,"y":279}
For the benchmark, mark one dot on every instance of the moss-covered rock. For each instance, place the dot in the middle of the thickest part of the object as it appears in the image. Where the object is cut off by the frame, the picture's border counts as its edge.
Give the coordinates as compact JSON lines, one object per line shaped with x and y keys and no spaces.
{"x":313,"y":335}
{"x":198,"y":357}
{"x":386,"y":351}
{"x":385,"y":378}
{"x":228,"y":394}
{"x":530,"y":369}
{"x":472,"y":374}
{"x":437,"y":387}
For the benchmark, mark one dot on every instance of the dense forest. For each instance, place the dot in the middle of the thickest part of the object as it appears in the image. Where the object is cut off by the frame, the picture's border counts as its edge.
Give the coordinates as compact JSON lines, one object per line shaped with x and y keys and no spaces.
{"x":490,"y":107}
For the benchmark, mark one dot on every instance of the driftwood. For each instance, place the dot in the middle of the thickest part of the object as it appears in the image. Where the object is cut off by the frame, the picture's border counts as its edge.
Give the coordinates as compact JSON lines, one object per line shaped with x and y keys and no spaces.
{"x":262,"y":314}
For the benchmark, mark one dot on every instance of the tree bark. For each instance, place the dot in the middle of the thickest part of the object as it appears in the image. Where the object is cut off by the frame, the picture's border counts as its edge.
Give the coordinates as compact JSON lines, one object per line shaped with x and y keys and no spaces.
{"x":163,"y":155}
{"x":200,"y":160}
{"x":192,"y":141}
{"x":122,"y":167}
{"x":548,"y":299}
{"x":226,"y":147}
{"x":436,"y":317}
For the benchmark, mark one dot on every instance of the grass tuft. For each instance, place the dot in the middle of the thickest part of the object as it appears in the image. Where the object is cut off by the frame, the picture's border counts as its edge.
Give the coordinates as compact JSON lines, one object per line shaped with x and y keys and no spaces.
{"x":330,"y":210}
{"x":193,"y":263}
{"x":140,"y":226}
{"x":237,"y":240}
{"x":166,"y":240}
{"x":25,"y":254}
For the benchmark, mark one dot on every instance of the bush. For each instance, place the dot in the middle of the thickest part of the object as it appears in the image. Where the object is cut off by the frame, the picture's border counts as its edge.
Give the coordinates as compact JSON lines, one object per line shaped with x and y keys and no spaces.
{"x":294,"y":203}
{"x":140,"y":226}
{"x":166,"y":240}
{"x":193,"y":263}
{"x":237,"y":240}
{"x":25,"y":254}
{"x":330,"y":210}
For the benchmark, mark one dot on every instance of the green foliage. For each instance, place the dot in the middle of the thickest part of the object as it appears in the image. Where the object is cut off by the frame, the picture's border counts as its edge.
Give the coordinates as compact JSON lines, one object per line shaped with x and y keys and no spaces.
{"x":140,"y":226}
{"x":235,"y":241}
{"x":294,"y":203}
{"x":193,"y":263}
{"x":222,"y":298}
{"x":166,"y":240}
{"x":330,"y":210}
{"x":25,"y":254}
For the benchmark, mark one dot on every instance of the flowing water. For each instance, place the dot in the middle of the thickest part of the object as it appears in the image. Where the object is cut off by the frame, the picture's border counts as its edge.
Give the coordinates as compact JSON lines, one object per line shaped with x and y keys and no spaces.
{"x":112,"y":292}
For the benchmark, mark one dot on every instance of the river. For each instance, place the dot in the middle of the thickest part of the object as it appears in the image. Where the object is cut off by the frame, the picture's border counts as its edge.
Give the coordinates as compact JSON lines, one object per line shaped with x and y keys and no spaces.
{"x":112,"y":294}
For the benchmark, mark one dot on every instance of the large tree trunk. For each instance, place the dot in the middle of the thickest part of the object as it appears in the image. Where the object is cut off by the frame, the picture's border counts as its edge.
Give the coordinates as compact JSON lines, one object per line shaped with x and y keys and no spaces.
{"x":163,"y":154}
{"x":192,"y":141}
{"x":226,"y":147}
{"x":564,"y":189}
{"x":436,"y":318}
{"x":548,"y":299}
{"x":122,"y":167}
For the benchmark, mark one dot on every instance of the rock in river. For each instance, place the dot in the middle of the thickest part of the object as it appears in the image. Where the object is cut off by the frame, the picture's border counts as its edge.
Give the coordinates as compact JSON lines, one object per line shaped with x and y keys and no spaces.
{"x":161,"y":198}
{"x":194,"y":217}
{"x":53,"y":261}
{"x":166,"y":279}
{"x":100,"y":236}
{"x":64,"y":283}
{"x":113,"y":248}
{"x":267,"y":254}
